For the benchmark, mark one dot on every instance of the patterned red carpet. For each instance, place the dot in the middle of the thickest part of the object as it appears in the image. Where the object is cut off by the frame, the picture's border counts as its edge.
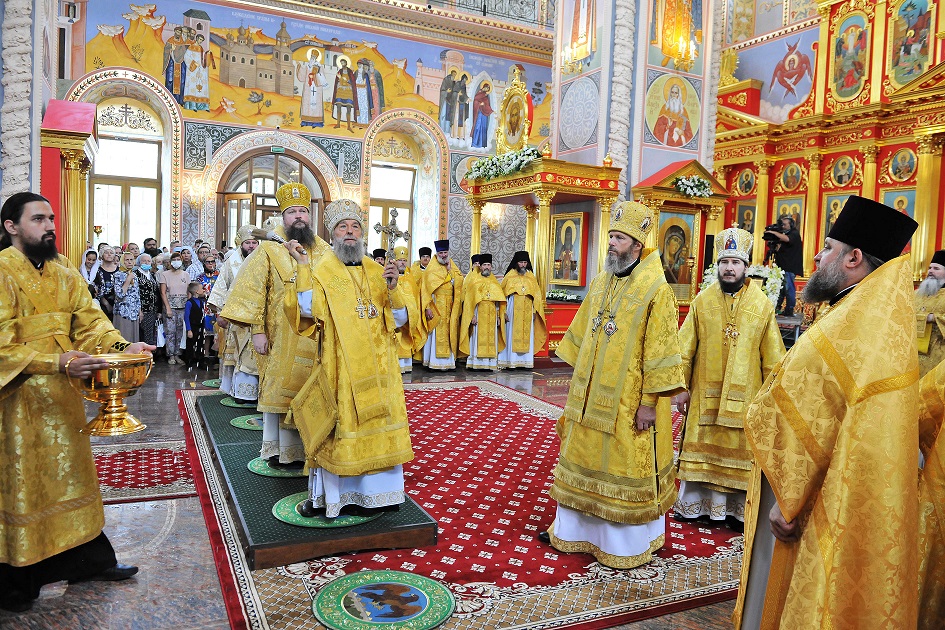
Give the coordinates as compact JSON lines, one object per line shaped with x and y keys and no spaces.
{"x":484,"y":456}
{"x":143,"y":472}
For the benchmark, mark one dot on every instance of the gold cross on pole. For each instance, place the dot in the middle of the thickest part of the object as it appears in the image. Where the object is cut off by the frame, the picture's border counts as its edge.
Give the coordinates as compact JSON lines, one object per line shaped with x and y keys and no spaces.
{"x":393,"y":233}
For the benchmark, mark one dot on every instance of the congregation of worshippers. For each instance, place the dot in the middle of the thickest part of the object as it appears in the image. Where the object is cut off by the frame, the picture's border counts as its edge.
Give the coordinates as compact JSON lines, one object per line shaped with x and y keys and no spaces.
{"x":825,"y":455}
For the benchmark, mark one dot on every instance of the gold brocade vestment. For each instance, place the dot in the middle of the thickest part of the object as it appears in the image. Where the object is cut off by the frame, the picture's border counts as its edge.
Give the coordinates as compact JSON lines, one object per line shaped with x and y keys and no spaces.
{"x":351,"y":413}
{"x":410,"y":336}
{"x":833,"y":430}
{"x":49,"y":494}
{"x":257,"y":300}
{"x":934,"y":331}
{"x":607,"y":467}
{"x":723,"y":373}
{"x":487,"y":294}
{"x":528,"y":306}
{"x":932,"y":501}
{"x":237,"y":350}
{"x":441,"y":290}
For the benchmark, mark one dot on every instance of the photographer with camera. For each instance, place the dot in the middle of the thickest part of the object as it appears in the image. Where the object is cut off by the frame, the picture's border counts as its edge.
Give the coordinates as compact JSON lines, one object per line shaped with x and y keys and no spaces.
{"x":784,"y":239}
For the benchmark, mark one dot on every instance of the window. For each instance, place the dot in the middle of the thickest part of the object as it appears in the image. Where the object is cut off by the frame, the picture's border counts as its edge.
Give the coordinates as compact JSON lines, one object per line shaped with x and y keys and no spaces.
{"x":126,"y":191}
{"x":392,"y":188}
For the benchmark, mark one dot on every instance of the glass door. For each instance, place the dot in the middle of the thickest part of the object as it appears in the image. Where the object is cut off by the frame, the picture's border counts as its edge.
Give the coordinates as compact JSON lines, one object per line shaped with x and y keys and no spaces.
{"x":238,"y":209}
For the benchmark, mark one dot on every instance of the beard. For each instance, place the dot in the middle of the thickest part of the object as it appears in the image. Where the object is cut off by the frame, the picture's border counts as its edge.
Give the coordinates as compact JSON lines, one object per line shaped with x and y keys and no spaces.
{"x":521,"y":271}
{"x":731,"y":286}
{"x":243,"y":250}
{"x":348,"y":254}
{"x":443,"y":262}
{"x":42,"y":251}
{"x":615,"y":263}
{"x":930,"y":286}
{"x":824,"y":284}
{"x":485,"y":273}
{"x":674,"y":104}
{"x":300,"y":232}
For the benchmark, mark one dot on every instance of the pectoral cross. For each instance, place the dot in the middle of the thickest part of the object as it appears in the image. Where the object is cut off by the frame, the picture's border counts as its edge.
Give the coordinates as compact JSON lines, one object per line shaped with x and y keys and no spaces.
{"x":360,"y":308}
{"x":729,"y":333}
{"x":393,"y":233}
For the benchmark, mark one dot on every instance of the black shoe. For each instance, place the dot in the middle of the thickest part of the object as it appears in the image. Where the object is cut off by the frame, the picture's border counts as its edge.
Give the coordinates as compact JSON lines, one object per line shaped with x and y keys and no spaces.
{"x":308,"y":509}
{"x":735,"y":525}
{"x":544,"y":537}
{"x":243,"y":401}
{"x":15,"y":602}
{"x":275,"y":463}
{"x":358,"y":510}
{"x":787,"y":314}
{"x":115,"y":574}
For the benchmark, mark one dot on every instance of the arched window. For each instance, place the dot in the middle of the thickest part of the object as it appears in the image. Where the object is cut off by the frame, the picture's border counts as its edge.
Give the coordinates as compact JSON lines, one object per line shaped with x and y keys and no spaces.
{"x":285,"y":57}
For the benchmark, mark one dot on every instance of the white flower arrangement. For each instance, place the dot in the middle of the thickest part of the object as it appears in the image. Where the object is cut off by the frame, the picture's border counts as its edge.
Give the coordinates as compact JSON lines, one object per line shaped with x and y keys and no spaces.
{"x":693,"y":186}
{"x":562,"y":296}
{"x":494,"y":166}
{"x":772,"y":276}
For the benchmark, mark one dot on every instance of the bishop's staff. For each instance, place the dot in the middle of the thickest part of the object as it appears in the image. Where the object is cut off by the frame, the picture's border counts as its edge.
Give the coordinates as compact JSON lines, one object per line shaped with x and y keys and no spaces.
{"x":393,"y":233}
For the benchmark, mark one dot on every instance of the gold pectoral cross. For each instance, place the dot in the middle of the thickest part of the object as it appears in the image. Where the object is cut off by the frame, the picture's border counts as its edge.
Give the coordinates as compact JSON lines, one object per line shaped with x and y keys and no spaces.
{"x":730,"y":332}
{"x":360,"y":308}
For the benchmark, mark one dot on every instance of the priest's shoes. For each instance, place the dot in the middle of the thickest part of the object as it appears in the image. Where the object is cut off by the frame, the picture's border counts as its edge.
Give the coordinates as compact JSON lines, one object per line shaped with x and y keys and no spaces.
{"x":114,"y":574}
{"x":544,"y":537}
{"x":15,"y":603}
{"x":308,"y":509}
{"x":275,"y":463}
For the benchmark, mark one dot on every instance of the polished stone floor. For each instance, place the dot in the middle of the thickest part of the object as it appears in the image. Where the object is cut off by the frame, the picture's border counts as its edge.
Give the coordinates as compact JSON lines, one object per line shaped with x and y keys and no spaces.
{"x":178,"y":586}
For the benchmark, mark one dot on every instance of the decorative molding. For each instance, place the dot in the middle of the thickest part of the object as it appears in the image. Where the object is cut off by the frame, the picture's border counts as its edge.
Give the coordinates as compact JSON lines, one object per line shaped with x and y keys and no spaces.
{"x":345,"y":154}
{"x":198,"y":135}
{"x":621,"y":90}
{"x":870,"y":151}
{"x":16,"y":130}
{"x":714,"y":80}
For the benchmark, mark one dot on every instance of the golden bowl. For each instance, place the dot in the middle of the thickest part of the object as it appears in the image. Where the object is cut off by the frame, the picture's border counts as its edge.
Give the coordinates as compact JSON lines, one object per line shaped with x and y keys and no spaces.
{"x":110,"y":386}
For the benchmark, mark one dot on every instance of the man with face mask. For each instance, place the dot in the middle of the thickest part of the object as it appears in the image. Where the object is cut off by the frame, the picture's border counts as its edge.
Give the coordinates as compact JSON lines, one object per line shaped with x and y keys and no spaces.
{"x":930,"y":314}
{"x":257,"y":300}
{"x":239,"y":373}
{"x":351,"y":413}
{"x":729,"y":343}
{"x":441,"y":301}
{"x":481,"y":333}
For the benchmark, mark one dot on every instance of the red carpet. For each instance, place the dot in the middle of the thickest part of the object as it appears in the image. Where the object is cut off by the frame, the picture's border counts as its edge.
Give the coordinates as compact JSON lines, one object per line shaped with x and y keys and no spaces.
{"x":148,"y":471}
{"x":484,"y":456}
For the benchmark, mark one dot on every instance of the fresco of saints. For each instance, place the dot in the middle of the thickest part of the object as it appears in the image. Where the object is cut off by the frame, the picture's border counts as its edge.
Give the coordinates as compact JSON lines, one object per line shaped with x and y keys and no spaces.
{"x":583,"y":37}
{"x":673,"y":17}
{"x":175,"y":70}
{"x":482,"y":112}
{"x":462,"y":106}
{"x":312,"y":112}
{"x":344,"y":100}
{"x":672,"y":126}
{"x":377,"y":88}
{"x":446,"y":110}
{"x":197,"y":87}
{"x":363,"y":85}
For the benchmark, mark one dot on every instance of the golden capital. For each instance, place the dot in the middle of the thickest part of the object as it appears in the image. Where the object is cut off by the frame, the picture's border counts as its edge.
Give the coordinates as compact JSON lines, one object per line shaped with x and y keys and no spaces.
{"x":815,"y":159}
{"x":721,"y":172}
{"x":545,"y":197}
{"x":73,"y":158}
{"x":531,"y":211}
{"x":714,"y":212}
{"x":763,"y":166}
{"x":606,"y":202}
{"x":475,"y":204}
{"x":928,"y":145}
{"x":870,"y":152}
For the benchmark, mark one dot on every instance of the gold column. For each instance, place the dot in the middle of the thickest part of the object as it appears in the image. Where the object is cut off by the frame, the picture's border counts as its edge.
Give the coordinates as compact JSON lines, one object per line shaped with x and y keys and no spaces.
{"x":761,"y":209}
{"x":812,"y":211}
{"x":476,"y":241}
{"x":543,"y":238}
{"x":821,"y":79}
{"x":75,"y":211}
{"x":926,"y":201}
{"x":603,"y":241}
{"x":869,"y":152}
{"x":531,"y":213}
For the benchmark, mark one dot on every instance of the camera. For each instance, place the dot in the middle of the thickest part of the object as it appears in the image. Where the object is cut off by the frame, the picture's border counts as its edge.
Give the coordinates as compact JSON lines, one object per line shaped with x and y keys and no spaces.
{"x":774,"y":227}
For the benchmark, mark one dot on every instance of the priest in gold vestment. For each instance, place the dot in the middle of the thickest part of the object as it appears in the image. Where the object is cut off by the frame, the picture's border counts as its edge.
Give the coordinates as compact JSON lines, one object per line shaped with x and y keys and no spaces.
{"x":441,"y":292}
{"x":615,"y":477}
{"x":932,"y":501}
{"x":257,"y":300}
{"x":525,"y":328}
{"x":729,"y":343}
{"x":834,"y":436}
{"x":410,"y":338}
{"x":351,"y":413}
{"x":239,"y":373}
{"x":51,"y":514}
{"x":481,"y":333}
{"x":930,"y":315}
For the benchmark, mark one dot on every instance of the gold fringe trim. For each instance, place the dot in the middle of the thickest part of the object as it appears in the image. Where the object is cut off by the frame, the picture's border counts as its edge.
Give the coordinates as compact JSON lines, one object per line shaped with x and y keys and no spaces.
{"x":604,"y":558}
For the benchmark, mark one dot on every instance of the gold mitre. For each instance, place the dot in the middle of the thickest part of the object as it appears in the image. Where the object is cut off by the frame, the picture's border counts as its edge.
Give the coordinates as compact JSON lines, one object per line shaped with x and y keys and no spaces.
{"x":340,"y":210}
{"x":734,"y":243}
{"x":400,"y":253}
{"x":632,"y":218}
{"x":245,"y":232}
{"x":294,"y":194}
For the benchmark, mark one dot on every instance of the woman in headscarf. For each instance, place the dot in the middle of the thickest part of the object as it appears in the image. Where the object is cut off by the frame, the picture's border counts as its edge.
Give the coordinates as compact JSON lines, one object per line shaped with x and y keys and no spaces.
{"x":149,"y":294}
{"x":127,"y":300}
{"x":89,"y":266}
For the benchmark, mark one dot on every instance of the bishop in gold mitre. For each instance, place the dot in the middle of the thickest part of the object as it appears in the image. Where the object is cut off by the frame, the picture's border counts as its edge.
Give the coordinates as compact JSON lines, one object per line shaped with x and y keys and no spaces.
{"x":930,"y":314}
{"x":239,"y":371}
{"x":481,"y":333}
{"x":441,"y":292}
{"x":831,"y":523}
{"x":351,"y":413}
{"x":615,"y":477}
{"x":729,"y":344}
{"x":257,"y":301}
{"x":410,"y":339}
{"x":525,"y":327}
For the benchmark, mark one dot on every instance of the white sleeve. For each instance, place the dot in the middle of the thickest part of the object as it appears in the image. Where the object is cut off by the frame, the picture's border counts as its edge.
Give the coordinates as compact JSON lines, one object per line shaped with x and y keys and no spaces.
{"x":400,"y":314}
{"x":305,"y":303}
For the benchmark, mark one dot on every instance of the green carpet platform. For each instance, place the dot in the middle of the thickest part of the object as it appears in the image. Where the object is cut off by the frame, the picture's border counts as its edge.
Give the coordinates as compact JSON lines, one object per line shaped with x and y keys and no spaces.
{"x":268,"y":542}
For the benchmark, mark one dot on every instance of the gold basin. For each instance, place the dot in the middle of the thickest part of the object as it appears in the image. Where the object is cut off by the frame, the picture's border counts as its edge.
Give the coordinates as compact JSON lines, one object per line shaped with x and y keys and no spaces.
{"x":110,"y":386}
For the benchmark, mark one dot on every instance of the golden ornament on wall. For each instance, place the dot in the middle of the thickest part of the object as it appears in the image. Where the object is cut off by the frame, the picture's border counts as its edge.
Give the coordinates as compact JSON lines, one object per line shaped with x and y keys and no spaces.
{"x":790,"y":177}
{"x":514,"y":122}
{"x":843,"y":172}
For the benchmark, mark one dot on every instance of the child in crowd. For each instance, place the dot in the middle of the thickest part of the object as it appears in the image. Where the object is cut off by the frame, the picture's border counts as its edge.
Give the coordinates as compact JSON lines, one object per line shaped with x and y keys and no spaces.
{"x":194,"y":323}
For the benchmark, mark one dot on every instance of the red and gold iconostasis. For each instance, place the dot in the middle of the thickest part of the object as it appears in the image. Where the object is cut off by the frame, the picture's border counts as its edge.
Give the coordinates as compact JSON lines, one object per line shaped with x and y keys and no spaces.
{"x":865,"y":129}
